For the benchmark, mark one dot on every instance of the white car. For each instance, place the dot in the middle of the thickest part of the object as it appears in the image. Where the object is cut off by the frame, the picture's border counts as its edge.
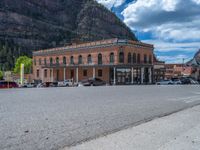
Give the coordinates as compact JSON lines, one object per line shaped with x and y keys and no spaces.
{"x":165,"y":82}
{"x":68,"y":82}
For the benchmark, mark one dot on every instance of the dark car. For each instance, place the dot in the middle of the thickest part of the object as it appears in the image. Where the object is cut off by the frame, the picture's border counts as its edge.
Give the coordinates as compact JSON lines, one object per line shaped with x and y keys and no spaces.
{"x":6,"y":84}
{"x":93,"y":82}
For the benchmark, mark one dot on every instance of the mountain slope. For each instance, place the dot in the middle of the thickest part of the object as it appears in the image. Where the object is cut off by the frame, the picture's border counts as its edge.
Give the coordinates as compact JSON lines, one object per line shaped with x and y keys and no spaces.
{"x":31,"y":25}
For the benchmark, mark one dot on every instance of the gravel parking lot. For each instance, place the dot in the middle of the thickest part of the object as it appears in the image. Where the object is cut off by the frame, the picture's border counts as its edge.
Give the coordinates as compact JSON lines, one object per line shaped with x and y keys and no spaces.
{"x":52,"y":118}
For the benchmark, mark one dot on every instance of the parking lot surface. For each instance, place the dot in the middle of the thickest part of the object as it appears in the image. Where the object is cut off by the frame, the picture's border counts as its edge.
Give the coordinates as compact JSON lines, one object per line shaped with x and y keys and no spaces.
{"x":52,"y":118}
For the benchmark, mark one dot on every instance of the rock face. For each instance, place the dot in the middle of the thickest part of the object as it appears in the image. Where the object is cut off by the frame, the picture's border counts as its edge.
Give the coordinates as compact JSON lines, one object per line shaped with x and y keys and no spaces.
{"x":36,"y":24}
{"x":27,"y":25}
{"x":196,"y":60}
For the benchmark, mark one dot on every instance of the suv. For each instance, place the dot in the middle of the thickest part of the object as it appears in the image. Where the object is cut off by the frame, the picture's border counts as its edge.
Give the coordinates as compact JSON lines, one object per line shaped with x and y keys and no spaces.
{"x":93,"y":82}
{"x":68,"y":82}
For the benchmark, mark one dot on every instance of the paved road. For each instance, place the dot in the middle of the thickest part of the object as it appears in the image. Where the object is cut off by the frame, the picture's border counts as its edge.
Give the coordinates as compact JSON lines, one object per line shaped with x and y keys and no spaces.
{"x":50,"y":119}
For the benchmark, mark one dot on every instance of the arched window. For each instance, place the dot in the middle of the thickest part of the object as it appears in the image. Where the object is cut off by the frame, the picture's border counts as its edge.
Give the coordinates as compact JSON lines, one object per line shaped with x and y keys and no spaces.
{"x":112,"y":58}
{"x":72,"y":60}
{"x":40,"y":61}
{"x":80,"y":60}
{"x":51,"y":61}
{"x":129,"y":58}
{"x":64,"y":60}
{"x":150,"y":59}
{"x":121,"y":57}
{"x":57,"y":60}
{"x":145,"y":58}
{"x":45,"y":61}
{"x":100,"y":59}
{"x":138,"y":58}
{"x":89,"y":59}
{"x":35,"y":62}
{"x":134,"y":58}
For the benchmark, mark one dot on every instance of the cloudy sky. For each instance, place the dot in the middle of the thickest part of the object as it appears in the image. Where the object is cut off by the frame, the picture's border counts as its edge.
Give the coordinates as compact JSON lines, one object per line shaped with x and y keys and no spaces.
{"x":173,"y":26}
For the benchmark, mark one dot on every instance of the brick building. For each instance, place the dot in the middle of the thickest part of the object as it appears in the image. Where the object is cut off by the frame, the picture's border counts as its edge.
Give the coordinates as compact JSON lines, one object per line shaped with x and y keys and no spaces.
{"x":114,"y":61}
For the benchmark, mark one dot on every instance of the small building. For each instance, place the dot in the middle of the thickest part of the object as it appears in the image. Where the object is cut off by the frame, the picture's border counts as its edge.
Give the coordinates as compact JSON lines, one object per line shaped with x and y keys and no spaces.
{"x":159,"y":70}
{"x":115,"y":61}
{"x":177,"y":70}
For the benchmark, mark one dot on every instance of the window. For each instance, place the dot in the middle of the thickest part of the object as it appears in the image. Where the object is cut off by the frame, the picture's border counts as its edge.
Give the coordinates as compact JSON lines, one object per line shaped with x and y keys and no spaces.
{"x":138,"y":58}
{"x":100,"y":59}
{"x":72,"y":60}
{"x":100,"y":73}
{"x":64,"y":60}
{"x":45,"y":61}
{"x":80,"y":60}
{"x":45,"y":73}
{"x":72,"y":74}
{"x":89,"y":59}
{"x":38,"y":73}
{"x":150,"y":59}
{"x":112,"y":58}
{"x":35,"y":62}
{"x":129,"y":58}
{"x":57,"y":61}
{"x":84,"y":73}
{"x":145,"y":58}
{"x":51,"y":61}
{"x":40,"y":61}
{"x":134,"y":58}
{"x":121,"y":57}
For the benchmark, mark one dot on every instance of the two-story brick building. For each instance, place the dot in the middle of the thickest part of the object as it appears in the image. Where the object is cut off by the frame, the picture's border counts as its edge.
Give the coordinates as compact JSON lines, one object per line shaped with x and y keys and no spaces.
{"x":115,"y":61}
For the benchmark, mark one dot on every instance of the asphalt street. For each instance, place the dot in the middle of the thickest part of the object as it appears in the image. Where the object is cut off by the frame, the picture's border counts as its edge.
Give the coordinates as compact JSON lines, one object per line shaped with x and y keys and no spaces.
{"x":53,"y":118}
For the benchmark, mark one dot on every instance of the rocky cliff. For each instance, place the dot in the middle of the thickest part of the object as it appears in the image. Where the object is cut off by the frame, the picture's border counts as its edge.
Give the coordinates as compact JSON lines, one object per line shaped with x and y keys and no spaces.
{"x":37,"y":24}
{"x":196,"y":60}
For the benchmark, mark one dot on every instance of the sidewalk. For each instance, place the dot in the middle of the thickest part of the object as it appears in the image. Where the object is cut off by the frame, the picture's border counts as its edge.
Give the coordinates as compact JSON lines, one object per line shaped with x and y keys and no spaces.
{"x":179,"y":131}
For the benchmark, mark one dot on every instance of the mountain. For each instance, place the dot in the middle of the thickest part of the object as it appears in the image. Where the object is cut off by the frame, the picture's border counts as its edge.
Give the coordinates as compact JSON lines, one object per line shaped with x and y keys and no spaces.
{"x":27,"y":25}
{"x":196,"y":60}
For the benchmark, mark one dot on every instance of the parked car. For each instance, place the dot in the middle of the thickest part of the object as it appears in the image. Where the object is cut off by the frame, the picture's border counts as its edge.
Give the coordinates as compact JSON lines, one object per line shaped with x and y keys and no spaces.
{"x":28,"y":85}
{"x":188,"y":80}
{"x":68,"y":82}
{"x":5,"y":84}
{"x":176,"y":81}
{"x":41,"y":85}
{"x":165,"y":82}
{"x":93,"y":82}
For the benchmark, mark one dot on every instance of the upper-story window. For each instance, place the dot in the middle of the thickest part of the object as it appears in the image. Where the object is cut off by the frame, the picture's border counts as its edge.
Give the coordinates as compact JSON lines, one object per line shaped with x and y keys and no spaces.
{"x":100,"y":59}
{"x":57,"y":61}
{"x":89,"y":59}
{"x":64,"y":60}
{"x":72,"y":60}
{"x":138,"y":58}
{"x":150,"y":59}
{"x":121,"y":57}
{"x":45,"y":61}
{"x":80,"y":59}
{"x":129,"y":58}
{"x":40,"y":61}
{"x":112,"y":58}
{"x":145,"y":58}
{"x":35,"y":62}
{"x":134,"y":58}
{"x":51,"y":61}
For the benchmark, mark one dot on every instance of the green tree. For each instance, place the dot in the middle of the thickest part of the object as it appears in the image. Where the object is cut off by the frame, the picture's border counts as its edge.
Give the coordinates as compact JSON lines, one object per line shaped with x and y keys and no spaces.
{"x":1,"y":75}
{"x":27,"y":64}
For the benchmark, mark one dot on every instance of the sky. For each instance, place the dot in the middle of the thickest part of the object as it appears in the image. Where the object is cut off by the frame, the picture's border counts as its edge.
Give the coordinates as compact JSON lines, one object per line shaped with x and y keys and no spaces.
{"x":173,"y":26}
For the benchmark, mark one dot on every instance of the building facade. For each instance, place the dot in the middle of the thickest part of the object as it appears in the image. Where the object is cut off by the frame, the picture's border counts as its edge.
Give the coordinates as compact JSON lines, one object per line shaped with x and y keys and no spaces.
{"x":114,"y":61}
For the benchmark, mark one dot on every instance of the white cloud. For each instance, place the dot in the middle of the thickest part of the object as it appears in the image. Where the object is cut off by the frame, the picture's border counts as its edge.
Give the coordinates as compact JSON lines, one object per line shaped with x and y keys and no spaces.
{"x":176,"y":20}
{"x":111,"y":3}
{"x":174,"y":59}
{"x":162,"y":46}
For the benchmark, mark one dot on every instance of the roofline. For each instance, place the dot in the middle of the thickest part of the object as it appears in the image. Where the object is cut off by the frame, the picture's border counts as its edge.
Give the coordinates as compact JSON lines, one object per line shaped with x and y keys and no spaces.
{"x":95,"y":44}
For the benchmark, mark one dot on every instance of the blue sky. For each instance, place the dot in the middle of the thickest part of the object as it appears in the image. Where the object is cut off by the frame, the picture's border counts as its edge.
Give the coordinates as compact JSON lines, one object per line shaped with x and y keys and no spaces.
{"x":173,"y":26}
